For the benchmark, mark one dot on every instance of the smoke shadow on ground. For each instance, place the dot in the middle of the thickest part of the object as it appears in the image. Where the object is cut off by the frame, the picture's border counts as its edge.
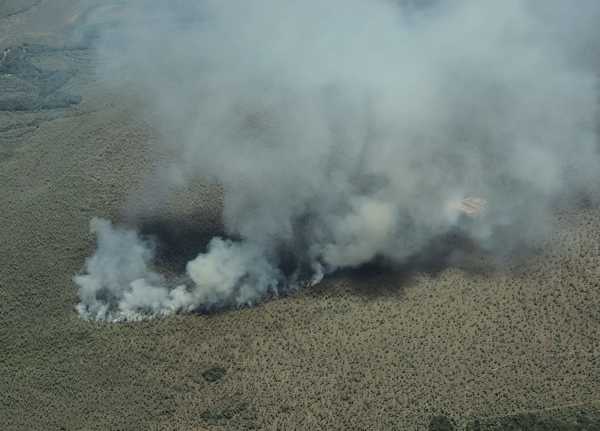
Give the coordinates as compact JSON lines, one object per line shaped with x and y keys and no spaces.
{"x":380,"y":278}
{"x":177,"y":240}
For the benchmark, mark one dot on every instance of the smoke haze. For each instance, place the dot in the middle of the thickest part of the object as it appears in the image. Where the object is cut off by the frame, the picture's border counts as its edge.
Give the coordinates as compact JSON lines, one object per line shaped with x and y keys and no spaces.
{"x":342,"y":131}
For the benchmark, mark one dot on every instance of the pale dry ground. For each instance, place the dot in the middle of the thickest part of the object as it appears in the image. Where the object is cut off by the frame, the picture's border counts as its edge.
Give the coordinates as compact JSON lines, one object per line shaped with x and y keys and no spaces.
{"x":364,"y":350}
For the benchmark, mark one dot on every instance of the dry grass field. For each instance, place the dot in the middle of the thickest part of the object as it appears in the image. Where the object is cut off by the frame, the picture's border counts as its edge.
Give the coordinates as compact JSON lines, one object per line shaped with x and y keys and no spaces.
{"x":422,"y":347}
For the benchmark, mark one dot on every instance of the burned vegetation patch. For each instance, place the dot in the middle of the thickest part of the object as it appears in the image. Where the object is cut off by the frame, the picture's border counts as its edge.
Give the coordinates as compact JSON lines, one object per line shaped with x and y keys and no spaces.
{"x":233,"y":414}
{"x":576,"y":420}
{"x":214,"y":374}
{"x":24,"y":86}
{"x":9,"y":8}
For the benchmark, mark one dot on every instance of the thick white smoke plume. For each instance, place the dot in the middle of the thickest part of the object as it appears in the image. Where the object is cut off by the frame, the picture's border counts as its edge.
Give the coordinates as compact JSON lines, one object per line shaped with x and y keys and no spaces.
{"x":341,"y":130}
{"x":119,"y":282}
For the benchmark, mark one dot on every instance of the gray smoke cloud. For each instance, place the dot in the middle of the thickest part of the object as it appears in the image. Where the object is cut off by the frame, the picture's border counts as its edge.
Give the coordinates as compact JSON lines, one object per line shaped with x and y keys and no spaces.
{"x":343,"y":131}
